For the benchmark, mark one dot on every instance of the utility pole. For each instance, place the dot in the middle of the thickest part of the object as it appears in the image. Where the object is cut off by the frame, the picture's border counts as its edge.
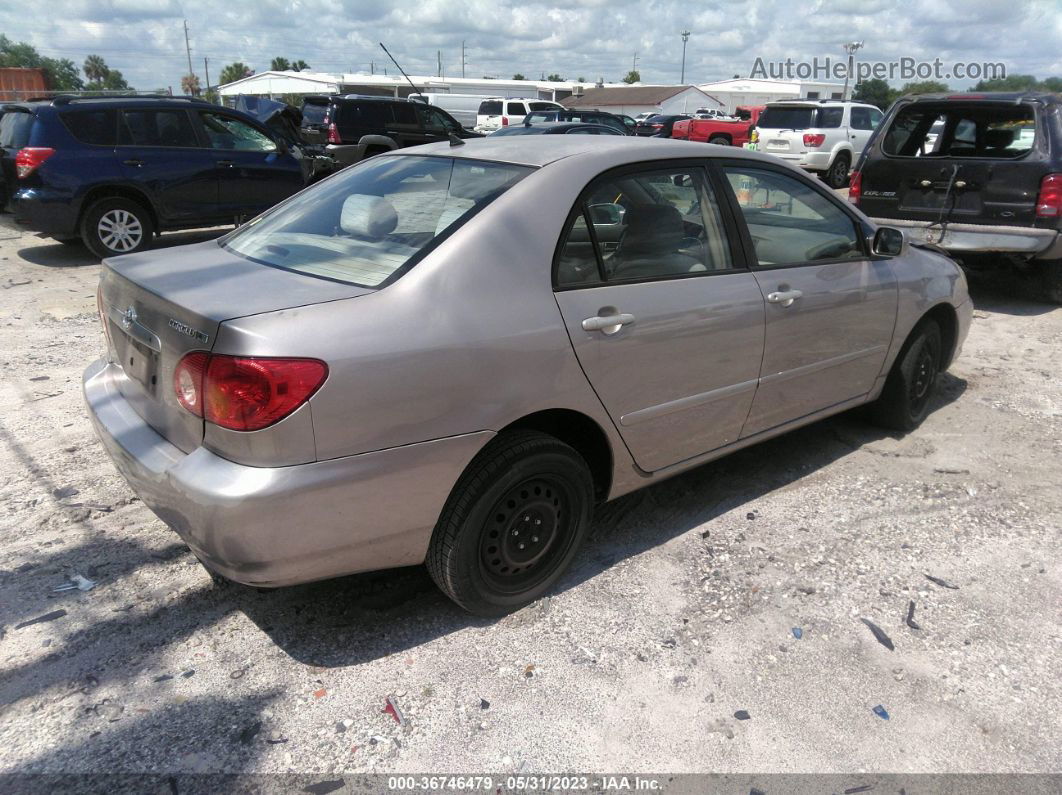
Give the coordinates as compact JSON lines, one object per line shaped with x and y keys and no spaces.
{"x":462,"y":58}
{"x":438,"y":55}
{"x":206,"y":71}
{"x":634,"y":63}
{"x":850,"y":48}
{"x":188,"y":48}
{"x":685,"y":37}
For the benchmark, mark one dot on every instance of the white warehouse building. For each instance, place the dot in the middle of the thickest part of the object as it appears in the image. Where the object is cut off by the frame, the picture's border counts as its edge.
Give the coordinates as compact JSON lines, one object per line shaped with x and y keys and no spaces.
{"x":747,"y":91}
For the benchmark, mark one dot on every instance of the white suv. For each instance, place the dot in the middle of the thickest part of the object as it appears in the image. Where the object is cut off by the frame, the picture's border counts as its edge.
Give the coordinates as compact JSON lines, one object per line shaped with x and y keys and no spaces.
{"x":498,"y":112}
{"x":824,"y":136}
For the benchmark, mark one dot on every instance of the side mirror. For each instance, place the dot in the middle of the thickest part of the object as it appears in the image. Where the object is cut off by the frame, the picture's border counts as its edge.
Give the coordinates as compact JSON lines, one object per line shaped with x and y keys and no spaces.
{"x":606,"y":214}
{"x":889,"y":242}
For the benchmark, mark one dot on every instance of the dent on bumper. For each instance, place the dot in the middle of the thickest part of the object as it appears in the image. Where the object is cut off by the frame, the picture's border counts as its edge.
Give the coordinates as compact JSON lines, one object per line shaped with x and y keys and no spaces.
{"x":283,"y":525}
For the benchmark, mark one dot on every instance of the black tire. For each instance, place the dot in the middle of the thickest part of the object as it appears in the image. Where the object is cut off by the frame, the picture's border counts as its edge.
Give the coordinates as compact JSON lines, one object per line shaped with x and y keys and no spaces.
{"x":133,"y":228}
{"x":721,"y":140}
{"x":904,"y":402}
{"x":1051,"y":280}
{"x":836,"y":175}
{"x":521,"y":485}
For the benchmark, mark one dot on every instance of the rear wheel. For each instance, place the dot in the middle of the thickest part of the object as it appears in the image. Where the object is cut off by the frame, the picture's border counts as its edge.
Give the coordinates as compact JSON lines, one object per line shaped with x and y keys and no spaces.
{"x":116,"y":226}
{"x":720,"y":140}
{"x":909,"y":389}
{"x":1051,"y":280}
{"x":512,"y":524}
{"x":837,"y":174}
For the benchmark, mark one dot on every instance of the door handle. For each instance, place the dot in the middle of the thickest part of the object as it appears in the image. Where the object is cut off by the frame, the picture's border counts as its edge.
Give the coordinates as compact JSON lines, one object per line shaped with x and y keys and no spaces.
{"x":784,"y":297}
{"x":609,"y":324}
{"x":136,"y":163}
{"x":225,"y":163}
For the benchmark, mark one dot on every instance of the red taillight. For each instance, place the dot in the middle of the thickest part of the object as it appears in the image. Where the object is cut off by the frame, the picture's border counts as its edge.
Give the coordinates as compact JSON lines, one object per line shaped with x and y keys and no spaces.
{"x":855,"y":187}
{"x":30,"y":158}
{"x":333,"y":134}
{"x":505,"y":121}
{"x":244,"y":393}
{"x":814,"y":140}
{"x":1049,"y":202}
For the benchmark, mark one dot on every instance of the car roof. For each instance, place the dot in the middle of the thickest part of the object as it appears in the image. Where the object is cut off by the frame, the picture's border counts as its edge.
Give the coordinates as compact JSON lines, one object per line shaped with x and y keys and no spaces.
{"x":541,"y":150}
{"x":987,"y":96}
{"x":63,"y":101}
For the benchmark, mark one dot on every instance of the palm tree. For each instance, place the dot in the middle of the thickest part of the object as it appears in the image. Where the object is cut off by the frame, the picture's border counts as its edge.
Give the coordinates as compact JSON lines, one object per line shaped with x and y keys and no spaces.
{"x":190,"y":85}
{"x":279,"y":64}
{"x":95,"y":69}
{"x":233,"y":72}
{"x":299,"y":65}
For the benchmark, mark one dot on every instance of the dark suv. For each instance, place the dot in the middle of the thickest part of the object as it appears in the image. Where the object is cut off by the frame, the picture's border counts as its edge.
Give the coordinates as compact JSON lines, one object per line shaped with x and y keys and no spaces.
{"x":358,"y":126}
{"x":624,"y":124}
{"x":979,"y":175}
{"x":115,"y":171}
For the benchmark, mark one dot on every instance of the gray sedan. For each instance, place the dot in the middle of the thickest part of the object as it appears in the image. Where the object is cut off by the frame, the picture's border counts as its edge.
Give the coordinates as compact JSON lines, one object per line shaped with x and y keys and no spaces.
{"x":450,"y":354}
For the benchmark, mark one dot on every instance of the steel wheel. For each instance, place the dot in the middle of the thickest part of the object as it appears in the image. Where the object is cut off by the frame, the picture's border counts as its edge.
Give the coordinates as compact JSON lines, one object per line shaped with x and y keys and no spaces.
{"x":924,"y":376}
{"x":120,"y":230}
{"x":904,"y":402}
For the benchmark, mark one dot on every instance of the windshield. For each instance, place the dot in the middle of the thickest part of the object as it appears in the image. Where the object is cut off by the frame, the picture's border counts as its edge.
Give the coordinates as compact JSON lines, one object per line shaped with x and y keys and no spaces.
{"x":366,"y":224}
{"x":786,"y":119}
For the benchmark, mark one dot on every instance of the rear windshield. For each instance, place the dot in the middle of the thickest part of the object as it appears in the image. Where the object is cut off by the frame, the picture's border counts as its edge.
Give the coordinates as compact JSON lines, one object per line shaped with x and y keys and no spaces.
{"x":949,"y":130}
{"x":98,"y":127}
{"x":314,"y":113}
{"x":490,"y":107}
{"x":364,"y":225}
{"x":15,"y":129}
{"x":786,"y":119}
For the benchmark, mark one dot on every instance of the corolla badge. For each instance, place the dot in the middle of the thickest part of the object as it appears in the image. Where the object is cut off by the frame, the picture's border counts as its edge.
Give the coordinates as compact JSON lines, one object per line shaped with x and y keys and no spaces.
{"x":188,"y":331}
{"x":128,"y":318}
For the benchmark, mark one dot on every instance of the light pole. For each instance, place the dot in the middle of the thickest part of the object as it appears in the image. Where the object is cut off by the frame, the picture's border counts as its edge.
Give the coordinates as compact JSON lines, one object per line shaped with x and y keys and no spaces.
{"x":850,"y":48}
{"x":685,"y":37}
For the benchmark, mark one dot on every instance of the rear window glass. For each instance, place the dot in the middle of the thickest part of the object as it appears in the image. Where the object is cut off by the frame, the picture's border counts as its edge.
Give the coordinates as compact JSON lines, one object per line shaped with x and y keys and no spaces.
{"x":15,"y":129}
{"x":157,"y":128}
{"x":99,"y":127}
{"x":830,"y":118}
{"x":364,"y":114}
{"x":516,"y":109}
{"x":364,"y":225}
{"x":786,"y":118}
{"x":985,"y":131}
{"x":404,"y":112}
{"x":541,"y":106}
{"x":313,"y":114}
{"x":491,"y":107}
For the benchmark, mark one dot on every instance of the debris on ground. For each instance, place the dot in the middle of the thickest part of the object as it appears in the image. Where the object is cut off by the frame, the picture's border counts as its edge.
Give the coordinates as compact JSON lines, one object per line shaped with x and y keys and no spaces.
{"x":910,"y":616}
{"x":881,"y":712}
{"x":276,"y":738}
{"x":76,"y":582}
{"x":941,"y":583}
{"x":798,"y":633}
{"x":742,"y":714}
{"x":320,"y":693}
{"x":393,"y":710}
{"x":879,"y":634}
{"x":109,"y":710}
{"x":163,"y":678}
{"x":529,"y":670}
{"x":343,"y":725}
{"x":188,"y":674}
{"x":42,"y":619}
{"x":484,"y":704}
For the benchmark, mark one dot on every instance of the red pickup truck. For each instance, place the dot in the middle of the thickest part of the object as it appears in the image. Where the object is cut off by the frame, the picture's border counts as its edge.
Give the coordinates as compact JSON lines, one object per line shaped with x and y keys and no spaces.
{"x":719,"y":131}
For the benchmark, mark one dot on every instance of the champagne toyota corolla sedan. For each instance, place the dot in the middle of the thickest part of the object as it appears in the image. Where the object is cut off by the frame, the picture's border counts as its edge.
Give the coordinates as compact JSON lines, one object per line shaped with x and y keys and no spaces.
{"x":450,"y":354}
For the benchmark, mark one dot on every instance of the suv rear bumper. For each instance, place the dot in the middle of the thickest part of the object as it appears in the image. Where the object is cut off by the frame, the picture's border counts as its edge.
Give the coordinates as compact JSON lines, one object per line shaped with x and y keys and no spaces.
{"x":812,"y":161}
{"x":1040,"y":243}
{"x":275,"y":526}
{"x":40,"y":211}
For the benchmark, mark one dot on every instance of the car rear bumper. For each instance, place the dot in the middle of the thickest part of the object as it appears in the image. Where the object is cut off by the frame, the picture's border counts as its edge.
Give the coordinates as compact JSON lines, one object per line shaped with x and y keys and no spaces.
{"x":273,"y":526}
{"x":812,"y":161}
{"x":1044,"y":243}
{"x":41,"y":211}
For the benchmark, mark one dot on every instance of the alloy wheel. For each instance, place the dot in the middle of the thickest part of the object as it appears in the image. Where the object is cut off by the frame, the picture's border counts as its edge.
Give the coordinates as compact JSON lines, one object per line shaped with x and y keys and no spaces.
{"x":119,"y":230}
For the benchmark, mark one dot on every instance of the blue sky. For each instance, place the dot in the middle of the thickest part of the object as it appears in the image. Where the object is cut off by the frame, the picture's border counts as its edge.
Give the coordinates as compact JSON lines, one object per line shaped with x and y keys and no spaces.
{"x":588,"y":38}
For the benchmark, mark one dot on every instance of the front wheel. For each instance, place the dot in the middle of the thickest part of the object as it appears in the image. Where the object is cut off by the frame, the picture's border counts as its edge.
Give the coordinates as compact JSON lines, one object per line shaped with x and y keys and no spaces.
{"x":513,"y":523}
{"x":837,"y":174}
{"x":909,"y":389}
{"x":720,"y":140}
{"x":116,"y":226}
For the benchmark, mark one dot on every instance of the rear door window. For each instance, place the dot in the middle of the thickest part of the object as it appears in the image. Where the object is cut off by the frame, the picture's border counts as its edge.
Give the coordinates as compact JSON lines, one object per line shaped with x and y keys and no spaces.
{"x":96,"y":127}
{"x":404,"y":113}
{"x":1001,"y":131}
{"x":15,"y":129}
{"x":830,"y":118}
{"x":376,"y":115}
{"x":541,"y":106}
{"x":516,"y":109}
{"x":156,"y":128}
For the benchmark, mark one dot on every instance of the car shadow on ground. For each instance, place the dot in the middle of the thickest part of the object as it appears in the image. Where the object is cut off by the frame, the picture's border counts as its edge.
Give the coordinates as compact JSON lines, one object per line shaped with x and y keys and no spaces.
{"x":1008,"y":293}
{"x":356,"y":619}
{"x":61,"y":255}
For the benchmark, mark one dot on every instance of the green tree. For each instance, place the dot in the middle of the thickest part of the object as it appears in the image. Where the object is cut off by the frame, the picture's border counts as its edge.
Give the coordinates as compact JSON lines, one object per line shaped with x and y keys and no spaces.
{"x":233,"y":72}
{"x":580,"y":79}
{"x":1053,"y":84}
{"x":923,"y":87}
{"x":519,"y":76}
{"x":874,"y":92}
{"x":280,"y":65}
{"x":95,"y":68}
{"x":633,"y":76}
{"x":114,"y":81}
{"x":60,"y":74}
{"x":554,"y":78}
{"x":1009,"y":83}
{"x":299,"y":65}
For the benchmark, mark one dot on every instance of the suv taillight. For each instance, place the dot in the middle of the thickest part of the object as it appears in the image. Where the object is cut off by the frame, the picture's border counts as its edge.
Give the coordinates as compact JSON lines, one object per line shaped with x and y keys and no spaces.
{"x":333,"y":134}
{"x":1049,"y":202}
{"x":505,"y":121}
{"x":855,"y":187}
{"x":814,"y":140}
{"x":30,"y":158}
{"x":245,"y":393}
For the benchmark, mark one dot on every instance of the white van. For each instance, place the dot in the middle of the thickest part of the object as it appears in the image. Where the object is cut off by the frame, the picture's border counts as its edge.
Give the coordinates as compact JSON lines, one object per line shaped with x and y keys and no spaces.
{"x":497,"y":112}
{"x":463,"y":107}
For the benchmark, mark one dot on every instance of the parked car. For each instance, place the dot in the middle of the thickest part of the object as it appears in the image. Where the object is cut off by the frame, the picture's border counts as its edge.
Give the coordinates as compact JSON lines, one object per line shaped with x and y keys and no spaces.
{"x":359,"y":127}
{"x":498,"y":112}
{"x":711,"y":113}
{"x":643,"y":116}
{"x":659,"y":125}
{"x":558,"y":128}
{"x":722,"y":131}
{"x":824,"y":136}
{"x":314,"y":114}
{"x":285,"y":122}
{"x":113,"y":172}
{"x":978,"y":174}
{"x":463,"y":107}
{"x":618,"y":123}
{"x":353,"y":383}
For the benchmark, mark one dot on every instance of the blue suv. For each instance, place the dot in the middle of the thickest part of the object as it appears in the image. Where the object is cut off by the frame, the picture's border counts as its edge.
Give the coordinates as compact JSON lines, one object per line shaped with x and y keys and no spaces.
{"x":114,"y":172}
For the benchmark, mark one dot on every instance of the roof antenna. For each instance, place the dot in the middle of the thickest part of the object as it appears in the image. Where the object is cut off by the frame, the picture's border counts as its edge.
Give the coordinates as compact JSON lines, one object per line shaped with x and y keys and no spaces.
{"x":400,"y":69}
{"x":455,"y":139}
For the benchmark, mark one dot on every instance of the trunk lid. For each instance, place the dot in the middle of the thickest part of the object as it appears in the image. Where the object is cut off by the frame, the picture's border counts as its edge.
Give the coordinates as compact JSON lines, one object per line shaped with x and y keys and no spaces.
{"x":159,"y":305}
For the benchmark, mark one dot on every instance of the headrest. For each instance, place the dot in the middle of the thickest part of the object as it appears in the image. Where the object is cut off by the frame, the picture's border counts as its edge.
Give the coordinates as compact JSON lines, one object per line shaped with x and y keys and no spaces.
{"x":652,"y":228}
{"x":367,"y":216}
{"x":999,"y":138}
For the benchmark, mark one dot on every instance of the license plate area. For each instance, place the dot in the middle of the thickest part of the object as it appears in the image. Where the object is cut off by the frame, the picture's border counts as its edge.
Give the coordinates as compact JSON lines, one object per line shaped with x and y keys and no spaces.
{"x":778,"y":144}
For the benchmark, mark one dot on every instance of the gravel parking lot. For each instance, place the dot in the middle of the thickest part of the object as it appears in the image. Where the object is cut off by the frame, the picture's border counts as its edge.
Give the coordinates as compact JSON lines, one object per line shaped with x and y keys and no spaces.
{"x":679,"y":612}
